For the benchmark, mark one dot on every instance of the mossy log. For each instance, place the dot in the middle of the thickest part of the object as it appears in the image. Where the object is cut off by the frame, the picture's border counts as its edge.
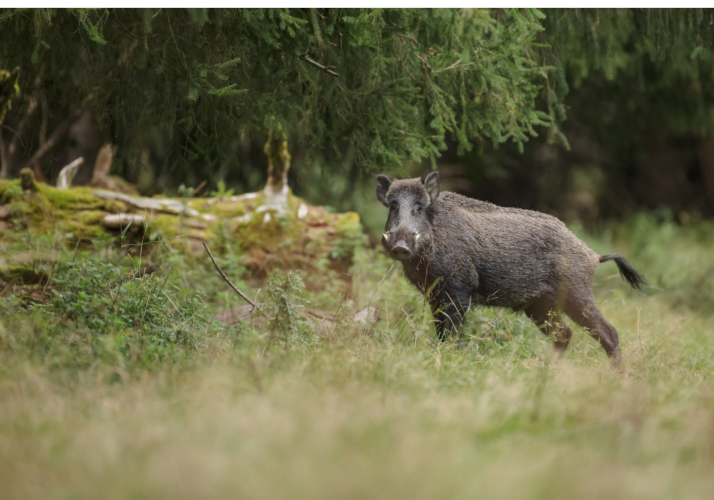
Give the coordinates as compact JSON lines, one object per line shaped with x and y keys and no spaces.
{"x":304,"y":237}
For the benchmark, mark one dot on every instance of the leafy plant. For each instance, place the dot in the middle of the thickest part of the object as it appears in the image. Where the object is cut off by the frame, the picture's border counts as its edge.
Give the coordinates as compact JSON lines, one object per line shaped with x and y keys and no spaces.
{"x":286,"y":320}
{"x":221,"y":190}
{"x":99,"y":305}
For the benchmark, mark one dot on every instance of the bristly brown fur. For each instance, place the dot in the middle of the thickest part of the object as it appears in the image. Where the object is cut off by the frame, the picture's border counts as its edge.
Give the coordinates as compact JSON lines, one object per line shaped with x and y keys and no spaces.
{"x":470,"y":252}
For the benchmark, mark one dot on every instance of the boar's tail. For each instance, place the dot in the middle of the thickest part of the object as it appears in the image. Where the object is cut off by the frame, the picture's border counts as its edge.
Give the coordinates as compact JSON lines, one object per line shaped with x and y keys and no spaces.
{"x":627,"y":272}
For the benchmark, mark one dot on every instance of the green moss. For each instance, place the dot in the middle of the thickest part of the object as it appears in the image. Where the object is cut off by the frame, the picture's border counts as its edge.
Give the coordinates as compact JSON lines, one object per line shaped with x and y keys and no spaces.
{"x":350,"y":235}
{"x":74,"y":210}
{"x":125,"y":186}
{"x":83,"y":223}
{"x":293,"y":201}
{"x":266,"y":235}
{"x":78,"y":198}
{"x":90,"y":217}
{"x":169,"y":226}
{"x":9,"y":191}
{"x":226,"y":209}
{"x":315,"y":242}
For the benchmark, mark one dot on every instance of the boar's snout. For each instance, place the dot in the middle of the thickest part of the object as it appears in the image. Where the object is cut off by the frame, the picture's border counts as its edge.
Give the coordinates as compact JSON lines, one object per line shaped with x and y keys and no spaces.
{"x":400,"y":251}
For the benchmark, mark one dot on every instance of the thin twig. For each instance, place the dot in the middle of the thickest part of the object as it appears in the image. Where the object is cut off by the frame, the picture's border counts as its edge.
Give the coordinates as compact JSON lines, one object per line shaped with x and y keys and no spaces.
{"x":409,"y":320}
{"x":76,"y":247}
{"x":168,"y":18}
{"x":199,"y":187}
{"x":456,"y":65}
{"x":225,"y":278}
{"x":122,"y":27}
{"x":49,"y":279}
{"x":326,"y":69}
{"x":53,"y":267}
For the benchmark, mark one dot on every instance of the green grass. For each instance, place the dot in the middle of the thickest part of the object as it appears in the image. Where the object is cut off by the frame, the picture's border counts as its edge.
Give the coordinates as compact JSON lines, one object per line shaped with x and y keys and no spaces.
{"x":93,"y":406}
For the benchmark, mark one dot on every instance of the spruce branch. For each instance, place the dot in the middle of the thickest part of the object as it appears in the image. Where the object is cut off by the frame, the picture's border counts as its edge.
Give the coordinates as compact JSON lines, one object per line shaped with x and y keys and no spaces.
{"x":181,"y":56}
{"x":116,"y":20}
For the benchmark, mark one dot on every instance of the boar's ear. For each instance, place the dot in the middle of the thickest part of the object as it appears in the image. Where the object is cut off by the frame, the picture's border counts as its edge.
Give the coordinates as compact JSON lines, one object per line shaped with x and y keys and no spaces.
{"x":384,"y":183}
{"x":432,"y":185}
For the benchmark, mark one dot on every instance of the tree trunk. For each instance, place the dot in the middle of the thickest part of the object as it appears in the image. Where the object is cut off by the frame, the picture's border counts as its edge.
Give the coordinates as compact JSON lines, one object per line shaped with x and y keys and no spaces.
{"x":4,"y":167}
{"x":276,"y":189}
{"x":60,"y":132}
{"x":705,"y":149}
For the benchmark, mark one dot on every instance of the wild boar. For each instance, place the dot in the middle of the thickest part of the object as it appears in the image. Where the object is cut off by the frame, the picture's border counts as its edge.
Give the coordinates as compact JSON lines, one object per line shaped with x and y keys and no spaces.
{"x":464,"y":252}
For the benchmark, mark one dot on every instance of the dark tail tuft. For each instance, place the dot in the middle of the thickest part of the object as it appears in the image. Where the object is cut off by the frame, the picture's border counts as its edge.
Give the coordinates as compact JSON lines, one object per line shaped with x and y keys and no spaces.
{"x":627,"y":272}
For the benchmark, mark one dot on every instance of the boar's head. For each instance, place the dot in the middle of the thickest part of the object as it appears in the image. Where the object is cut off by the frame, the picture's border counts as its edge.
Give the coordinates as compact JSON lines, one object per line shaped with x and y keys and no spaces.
{"x":408,"y":231}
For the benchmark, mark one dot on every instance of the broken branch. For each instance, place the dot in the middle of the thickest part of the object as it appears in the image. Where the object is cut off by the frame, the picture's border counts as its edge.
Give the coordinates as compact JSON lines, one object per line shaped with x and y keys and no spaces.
{"x":66,"y":175}
{"x":326,"y":69}
{"x":225,"y":278}
{"x":456,"y":65}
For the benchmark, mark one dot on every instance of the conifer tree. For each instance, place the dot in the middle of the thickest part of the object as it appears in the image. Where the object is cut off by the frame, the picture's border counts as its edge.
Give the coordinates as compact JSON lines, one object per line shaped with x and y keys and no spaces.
{"x":381,"y":85}
{"x":357,"y":89}
{"x":639,"y":77}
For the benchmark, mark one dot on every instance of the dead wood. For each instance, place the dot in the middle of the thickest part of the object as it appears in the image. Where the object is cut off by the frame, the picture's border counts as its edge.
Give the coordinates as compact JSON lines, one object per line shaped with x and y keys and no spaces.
{"x":103,"y":165}
{"x":161,"y":205}
{"x":66,"y":175}
{"x":120,"y":221}
{"x":327,"y":69}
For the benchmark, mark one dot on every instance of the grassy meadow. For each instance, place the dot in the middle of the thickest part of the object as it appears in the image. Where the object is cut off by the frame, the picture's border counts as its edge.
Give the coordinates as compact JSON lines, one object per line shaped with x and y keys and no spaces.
{"x":132,"y":390}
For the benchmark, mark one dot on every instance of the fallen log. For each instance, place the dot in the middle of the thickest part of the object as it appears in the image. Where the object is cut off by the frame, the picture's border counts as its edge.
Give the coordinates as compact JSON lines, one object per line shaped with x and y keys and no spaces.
{"x":120,"y":221}
{"x":160,"y":205}
{"x":299,"y":239}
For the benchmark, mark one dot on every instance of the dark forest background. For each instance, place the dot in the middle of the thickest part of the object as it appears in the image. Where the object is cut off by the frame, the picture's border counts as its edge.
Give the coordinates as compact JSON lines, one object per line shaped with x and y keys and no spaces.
{"x":586,"y":114}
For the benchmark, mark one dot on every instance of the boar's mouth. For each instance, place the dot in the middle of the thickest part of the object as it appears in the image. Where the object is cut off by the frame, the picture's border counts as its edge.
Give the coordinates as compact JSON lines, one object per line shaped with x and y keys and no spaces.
{"x":400,"y":250}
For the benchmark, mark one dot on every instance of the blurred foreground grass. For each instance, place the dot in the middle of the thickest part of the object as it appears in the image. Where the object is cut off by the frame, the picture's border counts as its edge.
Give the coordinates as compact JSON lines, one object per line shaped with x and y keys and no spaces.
{"x":140,"y":394}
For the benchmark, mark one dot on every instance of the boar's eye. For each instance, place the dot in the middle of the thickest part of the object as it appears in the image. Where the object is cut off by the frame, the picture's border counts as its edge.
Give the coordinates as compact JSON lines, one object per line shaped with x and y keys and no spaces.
{"x":393,"y":205}
{"x":417,"y":209}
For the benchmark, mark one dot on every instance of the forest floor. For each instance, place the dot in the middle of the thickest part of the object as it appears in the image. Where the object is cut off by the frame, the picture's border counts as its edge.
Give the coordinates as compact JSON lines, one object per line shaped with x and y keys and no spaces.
{"x":132,"y":390}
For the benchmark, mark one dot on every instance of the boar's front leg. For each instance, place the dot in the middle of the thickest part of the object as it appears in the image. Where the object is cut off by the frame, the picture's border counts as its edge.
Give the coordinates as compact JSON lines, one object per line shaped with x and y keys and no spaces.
{"x":448,"y":320}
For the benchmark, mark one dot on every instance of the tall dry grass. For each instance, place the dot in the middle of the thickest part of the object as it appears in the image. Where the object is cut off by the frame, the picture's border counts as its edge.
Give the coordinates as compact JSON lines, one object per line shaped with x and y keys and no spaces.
{"x":388,"y":412}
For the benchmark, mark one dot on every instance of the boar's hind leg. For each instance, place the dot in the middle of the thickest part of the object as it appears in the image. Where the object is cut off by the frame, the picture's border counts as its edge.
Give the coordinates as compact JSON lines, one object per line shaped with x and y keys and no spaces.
{"x":583,"y":311}
{"x":545,"y":316}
